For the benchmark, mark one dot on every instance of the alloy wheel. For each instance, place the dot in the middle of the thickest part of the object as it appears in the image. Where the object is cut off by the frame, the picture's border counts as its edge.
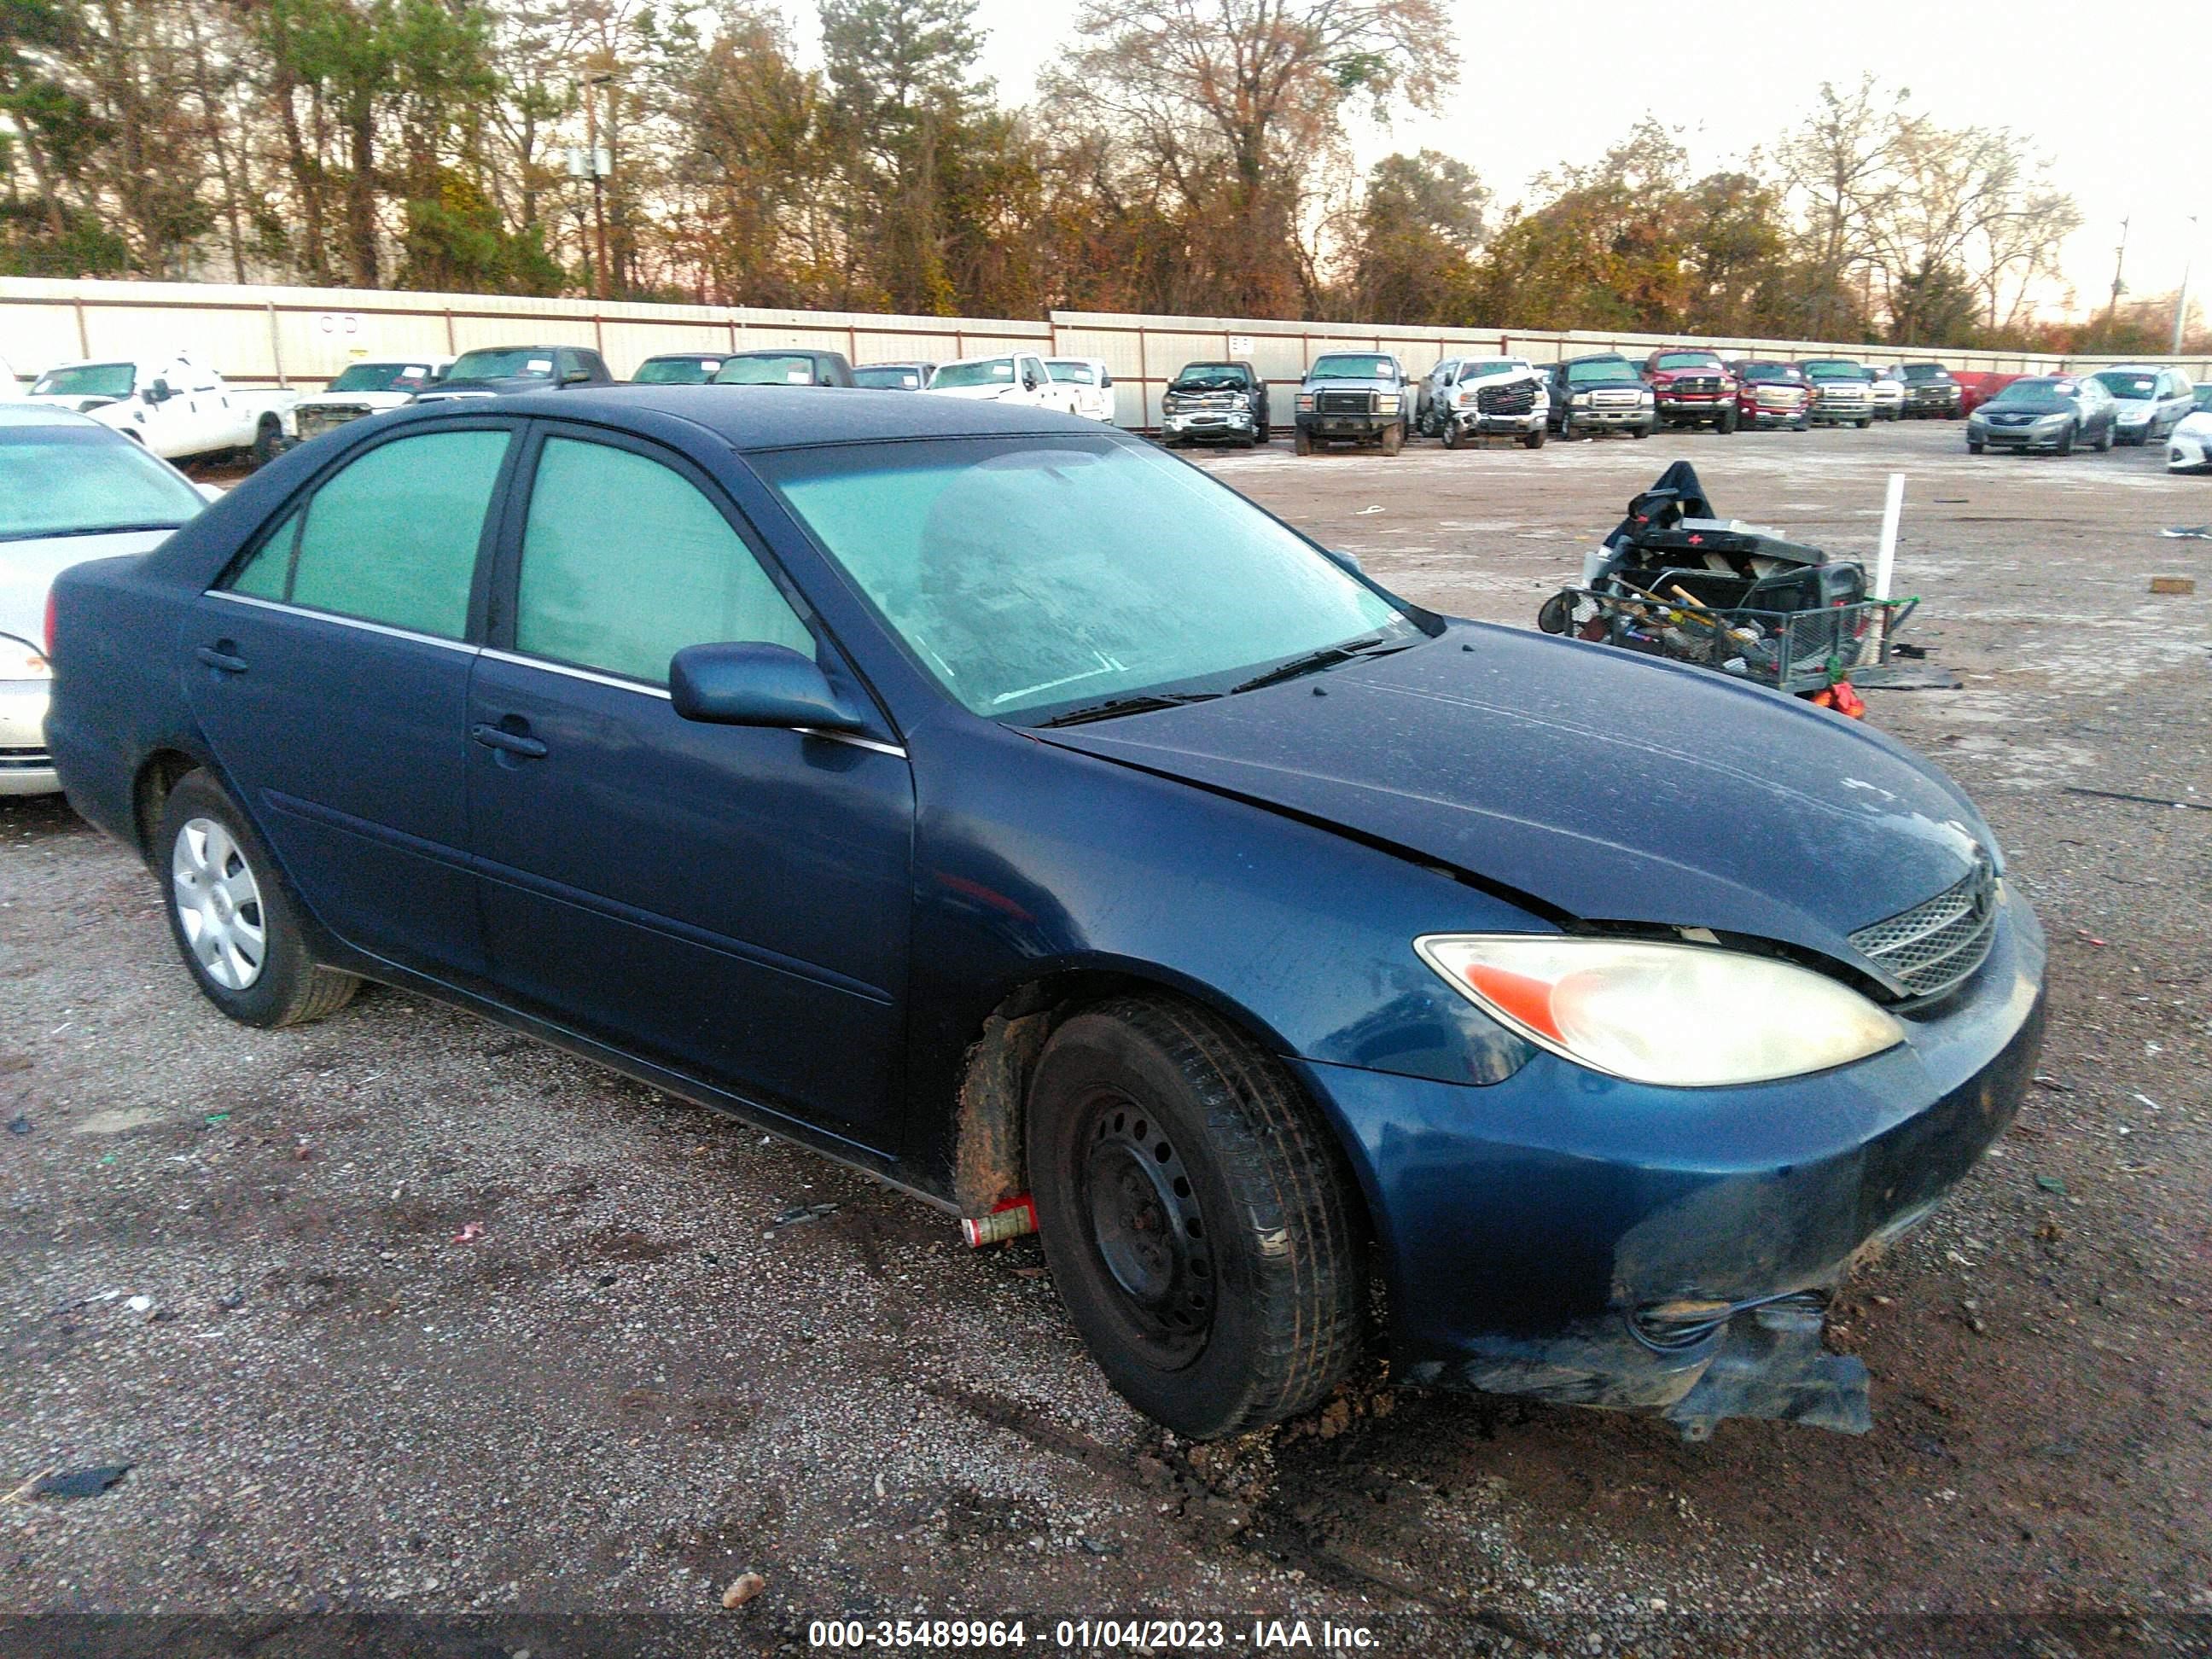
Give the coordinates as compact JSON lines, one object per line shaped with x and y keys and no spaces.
{"x":219,"y":904}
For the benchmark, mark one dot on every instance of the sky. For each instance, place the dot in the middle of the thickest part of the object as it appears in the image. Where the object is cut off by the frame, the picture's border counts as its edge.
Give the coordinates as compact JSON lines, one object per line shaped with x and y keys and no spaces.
{"x":2113,"y":99}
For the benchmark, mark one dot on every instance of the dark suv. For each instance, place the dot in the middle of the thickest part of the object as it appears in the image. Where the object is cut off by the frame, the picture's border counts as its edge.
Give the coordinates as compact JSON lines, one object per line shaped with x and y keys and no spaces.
{"x":510,"y":371}
{"x":1602,"y":393}
{"x":1931,"y":390}
{"x":1213,"y":403}
{"x":1355,"y":397}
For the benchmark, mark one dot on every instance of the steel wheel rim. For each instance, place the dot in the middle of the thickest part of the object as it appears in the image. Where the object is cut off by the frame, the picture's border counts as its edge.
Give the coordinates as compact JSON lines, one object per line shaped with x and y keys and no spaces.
{"x":1140,"y":1209}
{"x":218,"y":904}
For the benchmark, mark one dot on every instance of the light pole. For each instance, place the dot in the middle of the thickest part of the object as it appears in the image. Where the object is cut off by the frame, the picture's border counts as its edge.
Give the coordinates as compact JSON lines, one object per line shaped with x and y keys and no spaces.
{"x":2181,"y":299}
{"x":597,"y":164}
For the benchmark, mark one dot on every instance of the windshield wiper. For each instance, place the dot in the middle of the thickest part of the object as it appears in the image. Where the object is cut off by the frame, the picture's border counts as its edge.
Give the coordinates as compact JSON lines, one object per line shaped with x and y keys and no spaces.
{"x":1115,"y":707}
{"x":1327,"y":657}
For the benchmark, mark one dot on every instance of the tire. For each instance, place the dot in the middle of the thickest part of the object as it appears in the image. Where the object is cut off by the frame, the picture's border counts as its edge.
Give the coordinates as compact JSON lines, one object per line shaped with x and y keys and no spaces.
{"x":1973,"y":445}
{"x":2065,"y":445}
{"x":1532,"y":439}
{"x":1303,"y":442}
{"x":1152,"y":1121}
{"x":1802,"y":423}
{"x":1567,"y":433}
{"x":1394,"y":438}
{"x":1452,"y":435}
{"x":1557,"y":614}
{"x":206,"y":845}
{"x":1645,"y":430}
{"x":1261,"y":434}
{"x":2104,"y":444}
{"x":1726,"y":424}
{"x":1865,"y":420}
{"x":268,"y":442}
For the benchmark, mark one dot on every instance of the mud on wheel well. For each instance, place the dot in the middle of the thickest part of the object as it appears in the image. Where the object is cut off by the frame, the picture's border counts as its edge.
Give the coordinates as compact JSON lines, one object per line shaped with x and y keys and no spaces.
{"x":988,"y":1127}
{"x":157,"y":775}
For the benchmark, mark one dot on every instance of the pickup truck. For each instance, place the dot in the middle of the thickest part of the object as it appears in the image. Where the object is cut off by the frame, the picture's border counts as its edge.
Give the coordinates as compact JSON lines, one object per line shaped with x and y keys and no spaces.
{"x":178,"y":408}
{"x":1692,"y":388}
{"x":1601,"y":392}
{"x":513,"y":371}
{"x":1931,"y":390}
{"x":1017,"y":379}
{"x":1360,"y":397}
{"x":1843,"y":392}
{"x":1209,"y":401}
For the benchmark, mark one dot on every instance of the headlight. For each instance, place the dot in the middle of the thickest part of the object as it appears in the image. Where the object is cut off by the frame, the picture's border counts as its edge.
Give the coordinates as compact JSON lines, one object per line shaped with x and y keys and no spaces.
{"x":1387,"y":403}
{"x":1241,"y":400}
{"x":1647,"y":397}
{"x":1727,"y":385}
{"x":1580,"y":398}
{"x":1682,"y":1016}
{"x":1305,"y":403}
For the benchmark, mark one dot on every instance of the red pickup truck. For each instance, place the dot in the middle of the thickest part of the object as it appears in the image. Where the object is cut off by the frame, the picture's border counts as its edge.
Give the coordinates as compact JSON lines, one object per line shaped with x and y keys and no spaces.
{"x":1692,"y":388}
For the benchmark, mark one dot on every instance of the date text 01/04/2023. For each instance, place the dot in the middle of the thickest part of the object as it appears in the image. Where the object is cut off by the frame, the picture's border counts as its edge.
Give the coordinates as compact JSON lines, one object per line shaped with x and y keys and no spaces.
{"x":1086,"y":1635}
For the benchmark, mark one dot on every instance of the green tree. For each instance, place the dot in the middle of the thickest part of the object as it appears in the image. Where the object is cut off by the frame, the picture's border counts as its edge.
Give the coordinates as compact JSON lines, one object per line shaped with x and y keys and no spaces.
{"x":1420,"y":227}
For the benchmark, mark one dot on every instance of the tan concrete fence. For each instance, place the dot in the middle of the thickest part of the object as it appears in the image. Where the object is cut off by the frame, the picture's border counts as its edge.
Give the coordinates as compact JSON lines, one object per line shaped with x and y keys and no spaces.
{"x":301,"y":337}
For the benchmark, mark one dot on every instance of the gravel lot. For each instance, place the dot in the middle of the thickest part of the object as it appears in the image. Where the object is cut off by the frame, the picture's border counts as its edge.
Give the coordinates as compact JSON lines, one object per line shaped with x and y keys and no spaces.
{"x":572,"y":1433}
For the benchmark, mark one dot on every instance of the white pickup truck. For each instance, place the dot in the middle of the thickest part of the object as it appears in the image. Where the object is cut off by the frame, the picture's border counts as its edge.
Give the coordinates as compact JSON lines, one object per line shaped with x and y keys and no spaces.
{"x":176,"y":407}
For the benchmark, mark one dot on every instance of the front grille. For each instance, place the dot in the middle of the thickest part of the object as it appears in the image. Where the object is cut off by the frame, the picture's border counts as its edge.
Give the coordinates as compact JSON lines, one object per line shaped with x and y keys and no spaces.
{"x":1935,"y":945}
{"x":1697,"y":385}
{"x":1345,"y":403}
{"x":24,"y":759}
{"x":1619,"y":399}
{"x":1516,"y":399}
{"x":315,"y":422}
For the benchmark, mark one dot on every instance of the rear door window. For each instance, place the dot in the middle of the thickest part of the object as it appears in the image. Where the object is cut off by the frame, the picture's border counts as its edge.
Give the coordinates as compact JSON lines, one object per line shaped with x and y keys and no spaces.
{"x":390,"y":538}
{"x":625,"y":561}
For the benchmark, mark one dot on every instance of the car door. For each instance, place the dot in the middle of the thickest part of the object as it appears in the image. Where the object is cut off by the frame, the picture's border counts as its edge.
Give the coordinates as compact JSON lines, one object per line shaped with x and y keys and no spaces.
{"x":329,"y":670}
{"x":729,"y":902}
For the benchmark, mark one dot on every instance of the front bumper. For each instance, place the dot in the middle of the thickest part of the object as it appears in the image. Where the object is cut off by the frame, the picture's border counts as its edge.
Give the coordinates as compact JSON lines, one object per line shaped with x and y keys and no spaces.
{"x":1921,"y":404}
{"x":2020,"y":437}
{"x":2188,"y":452}
{"x":26,"y":768}
{"x":1476,"y":421}
{"x":1522,"y":1223}
{"x":1690,"y":411}
{"x":1761,"y":415}
{"x":1586,"y":416}
{"x":1202,"y":423}
{"x":1348,"y":426}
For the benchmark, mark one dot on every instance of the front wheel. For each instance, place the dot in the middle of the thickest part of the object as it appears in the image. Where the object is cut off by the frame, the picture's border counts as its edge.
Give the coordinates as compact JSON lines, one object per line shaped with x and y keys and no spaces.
{"x":1303,"y":442}
{"x":1196,"y":1215}
{"x":1394,"y":438}
{"x":1973,"y":445}
{"x":2104,"y":444}
{"x":1452,"y":435}
{"x":235,"y":924}
{"x":1533,"y":439}
{"x":2065,"y":444}
{"x":1645,"y":430}
{"x":1865,"y":420}
{"x":268,"y":442}
{"x":1727,"y":424}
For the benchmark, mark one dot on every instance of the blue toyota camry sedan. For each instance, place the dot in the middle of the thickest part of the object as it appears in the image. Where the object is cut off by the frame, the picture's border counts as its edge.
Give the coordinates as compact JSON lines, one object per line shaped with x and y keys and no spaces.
{"x":999,"y":804}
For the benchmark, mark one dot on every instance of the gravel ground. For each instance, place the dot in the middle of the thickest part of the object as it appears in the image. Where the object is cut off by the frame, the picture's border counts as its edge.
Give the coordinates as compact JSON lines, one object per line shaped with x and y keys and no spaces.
{"x":237,"y":1260}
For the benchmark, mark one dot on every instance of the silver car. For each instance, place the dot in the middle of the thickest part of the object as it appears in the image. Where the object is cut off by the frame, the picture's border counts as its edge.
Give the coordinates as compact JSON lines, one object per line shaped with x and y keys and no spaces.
{"x":70,"y":489}
{"x":2148,"y":401}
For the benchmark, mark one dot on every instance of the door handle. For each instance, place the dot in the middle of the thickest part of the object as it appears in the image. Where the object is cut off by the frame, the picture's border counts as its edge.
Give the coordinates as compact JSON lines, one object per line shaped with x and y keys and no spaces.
{"x":512,"y":743}
{"x":219,"y":657}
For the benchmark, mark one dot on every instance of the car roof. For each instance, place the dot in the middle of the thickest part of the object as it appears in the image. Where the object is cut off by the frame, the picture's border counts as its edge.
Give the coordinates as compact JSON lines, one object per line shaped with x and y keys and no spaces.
{"x":2129,"y":368}
{"x":27,"y":414}
{"x":750,"y":417}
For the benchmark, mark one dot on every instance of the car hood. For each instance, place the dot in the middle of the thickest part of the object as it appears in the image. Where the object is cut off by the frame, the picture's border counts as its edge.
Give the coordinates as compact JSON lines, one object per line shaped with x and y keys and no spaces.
{"x":1597,"y":784}
{"x":1339,"y":383}
{"x":27,"y":569}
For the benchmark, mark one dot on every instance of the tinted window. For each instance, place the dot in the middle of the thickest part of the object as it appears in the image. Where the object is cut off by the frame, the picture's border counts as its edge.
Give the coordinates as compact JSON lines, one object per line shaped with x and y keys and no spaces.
{"x":796,"y":370}
{"x":1343,"y":368}
{"x":1687,"y":360}
{"x":1601,"y":369}
{"x":889,"y":378}
{"x":383,"y":377}
{"x":391,"y":539}
{"x":625,"y":563}
{"x":677,"y":371}
{"x":503,"y":363}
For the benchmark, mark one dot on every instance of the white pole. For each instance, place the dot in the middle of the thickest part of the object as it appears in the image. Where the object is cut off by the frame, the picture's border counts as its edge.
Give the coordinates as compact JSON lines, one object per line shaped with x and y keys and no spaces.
{"x":1886,"y":560}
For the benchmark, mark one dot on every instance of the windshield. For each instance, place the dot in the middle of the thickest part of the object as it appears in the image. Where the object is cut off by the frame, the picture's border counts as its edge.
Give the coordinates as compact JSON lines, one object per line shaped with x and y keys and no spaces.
{"x":889,"y":377}
{"x":88,"y":381}
{"x":1601,"y":369}
{"x":383,"y":377}
{"x":1766,"y":372}
{"x":505,"y":363}
{"x":2121,"y":384}
{"x":1688,"y":360}
{"x":1210,"y":377}
{"x":770,"y":368}
{"x":1075,"y":373}
{"x":2203,"y":397}
{"x":992,"y":371}
{"x":1335,"y":368}
{"x":2037,"y":393}
{"x":1475,"y":371}
{"x":1926,"y":372}
{"x":1839,"y":372}
{"x":71,"y":480}
{"x":676,"y":371}
{"x":1036,"y":575}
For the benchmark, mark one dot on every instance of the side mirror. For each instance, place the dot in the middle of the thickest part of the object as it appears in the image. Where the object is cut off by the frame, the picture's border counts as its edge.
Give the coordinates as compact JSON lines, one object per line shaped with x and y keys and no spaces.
{"x":159,"y":392}
{"x":750,"y":683}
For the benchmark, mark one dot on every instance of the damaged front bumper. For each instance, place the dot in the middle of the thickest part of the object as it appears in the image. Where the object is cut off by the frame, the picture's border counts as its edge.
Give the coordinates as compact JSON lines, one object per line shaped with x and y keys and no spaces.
{"x":1586,"y":1241}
